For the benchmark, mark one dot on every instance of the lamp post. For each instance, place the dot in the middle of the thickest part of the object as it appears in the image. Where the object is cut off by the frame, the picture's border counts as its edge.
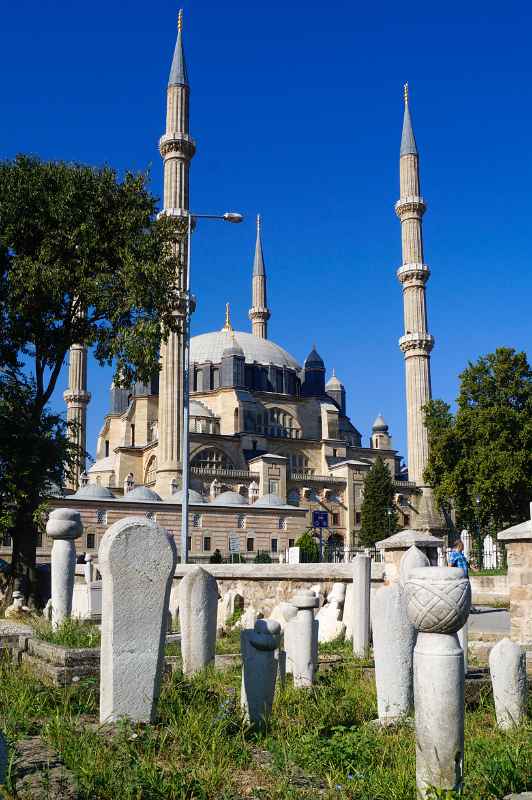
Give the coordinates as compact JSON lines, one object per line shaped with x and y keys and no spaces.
{"x":389,"y":512}
{"x":229,"y":216}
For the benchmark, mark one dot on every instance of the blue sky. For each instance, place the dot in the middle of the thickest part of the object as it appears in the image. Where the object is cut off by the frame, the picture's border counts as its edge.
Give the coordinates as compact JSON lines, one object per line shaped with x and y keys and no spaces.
{"x":297,"y":112}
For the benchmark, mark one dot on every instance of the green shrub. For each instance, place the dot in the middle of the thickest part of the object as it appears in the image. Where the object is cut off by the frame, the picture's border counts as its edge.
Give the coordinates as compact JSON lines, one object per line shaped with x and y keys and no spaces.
{"x":309,"y":549}
{"x":262,"y":557}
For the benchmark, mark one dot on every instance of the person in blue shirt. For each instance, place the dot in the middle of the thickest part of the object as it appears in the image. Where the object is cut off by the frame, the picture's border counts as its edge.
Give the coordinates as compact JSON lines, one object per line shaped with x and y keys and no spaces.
{"x":457,"y":557}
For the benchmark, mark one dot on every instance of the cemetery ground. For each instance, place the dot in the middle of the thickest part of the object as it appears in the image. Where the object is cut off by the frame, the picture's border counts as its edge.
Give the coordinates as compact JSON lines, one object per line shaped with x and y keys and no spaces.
{"x":319,"y":743}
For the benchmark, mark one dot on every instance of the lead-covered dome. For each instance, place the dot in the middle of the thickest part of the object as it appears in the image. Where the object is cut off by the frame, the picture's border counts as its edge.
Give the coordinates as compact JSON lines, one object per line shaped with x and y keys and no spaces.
{"x":142,"y":494}
{"x":93,"y":492}
{"x":210,"y":347}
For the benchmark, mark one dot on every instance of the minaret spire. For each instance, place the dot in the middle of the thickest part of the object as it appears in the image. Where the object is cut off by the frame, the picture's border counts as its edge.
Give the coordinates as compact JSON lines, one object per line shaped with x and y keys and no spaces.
{"x":259,"y":313}
{"x":416,"y":343}
{"x":177,"y":149}
{"x":77,"y":399}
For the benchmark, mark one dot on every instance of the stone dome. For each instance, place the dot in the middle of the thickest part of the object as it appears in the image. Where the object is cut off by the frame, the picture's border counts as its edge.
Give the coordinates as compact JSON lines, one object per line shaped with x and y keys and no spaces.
{"x":93,"y":492}
{"x":193,"y":497}
{"x":230,"y":499}
{"x":380,"y":424}
{"x":269,"y":500}
{"x":142,"y":494}
{"x":210,"y":347}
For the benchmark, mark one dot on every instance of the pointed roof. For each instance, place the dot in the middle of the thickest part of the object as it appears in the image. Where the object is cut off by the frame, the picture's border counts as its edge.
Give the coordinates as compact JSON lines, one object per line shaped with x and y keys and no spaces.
{"x":178,"y":70}
{"x":333,"y":382}
{"x":314,"y":360}
{"x":408,"y":140}
{"x":258,"y":261}
{"x":380,"y":423}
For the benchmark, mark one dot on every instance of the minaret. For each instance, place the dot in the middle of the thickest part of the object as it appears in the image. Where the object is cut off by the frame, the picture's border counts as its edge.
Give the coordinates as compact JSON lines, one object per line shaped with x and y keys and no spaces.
{"x":416,"y":343}
{"x":177,"y":148}
{"x":259,"y":313}
{"x":77,"y":398}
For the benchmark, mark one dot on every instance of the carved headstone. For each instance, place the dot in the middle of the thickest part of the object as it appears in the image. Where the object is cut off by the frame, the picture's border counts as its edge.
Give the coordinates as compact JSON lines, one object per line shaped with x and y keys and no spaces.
{"x":507,"y":662}
{"x":304,"y":635}
{"x":63,"y":526}
{"x":137,"y":561}
{"x":198,"y":606}
{"x":259,"y":670}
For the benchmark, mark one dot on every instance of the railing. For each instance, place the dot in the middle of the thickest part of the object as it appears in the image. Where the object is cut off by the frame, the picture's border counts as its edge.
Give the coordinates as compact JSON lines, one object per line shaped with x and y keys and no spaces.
{"x":491,"y":556}
{"x":404,"y":484}
{"x":305,"y":476}
{"x":215,"y":472}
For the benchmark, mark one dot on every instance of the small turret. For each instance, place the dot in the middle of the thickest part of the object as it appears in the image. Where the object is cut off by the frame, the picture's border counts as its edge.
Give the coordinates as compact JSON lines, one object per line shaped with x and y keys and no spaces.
{"x":314,"y":375}
{"x":336,"y":391}
{"x":380,"y":437}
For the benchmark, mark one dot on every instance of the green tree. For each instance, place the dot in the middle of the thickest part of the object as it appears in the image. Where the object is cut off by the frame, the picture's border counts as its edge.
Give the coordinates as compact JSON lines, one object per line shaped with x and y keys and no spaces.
{"x":379,"y":518}
{"x":83,"y":259}
{"x":309,"y":551}
{"x":484,"y":450}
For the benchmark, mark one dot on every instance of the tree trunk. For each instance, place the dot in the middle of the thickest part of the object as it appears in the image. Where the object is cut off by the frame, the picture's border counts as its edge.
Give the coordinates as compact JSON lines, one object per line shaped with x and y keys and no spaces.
{"x":24,"y":555}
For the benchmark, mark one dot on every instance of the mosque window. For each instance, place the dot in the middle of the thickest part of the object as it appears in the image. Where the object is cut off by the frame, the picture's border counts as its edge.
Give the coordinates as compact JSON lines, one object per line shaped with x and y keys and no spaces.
{"x":281,"y":523}
{"x":274,"y":545}
{"x":151,"y":515}
{"x":250,"y":545}
{"x":101,"y":517}
{"x":335,"y":519}
{"x":297,"y":462}
{"x":107,"y":448}
{"x":291,"y":542}
{"x":151,"y":471}
{"x":241,"y":521}
{"x":215,"y":378}
{"x":358,"y":518}
{"x":91,"y":541}
{"x":206,"y":543}
{"x":132,"y":436}
{"x":196,"y":520}
{"x":212,"y":459}
{"x":293,"y":497}
{"x":278,"y":423}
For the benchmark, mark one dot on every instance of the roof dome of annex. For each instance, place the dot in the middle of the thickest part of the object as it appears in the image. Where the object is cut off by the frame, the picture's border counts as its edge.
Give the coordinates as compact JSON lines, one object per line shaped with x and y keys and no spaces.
{"x":210,"y":347}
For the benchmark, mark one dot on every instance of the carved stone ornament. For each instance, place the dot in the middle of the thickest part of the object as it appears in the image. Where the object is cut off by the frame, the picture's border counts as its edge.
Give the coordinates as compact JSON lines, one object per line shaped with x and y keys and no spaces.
{"x":64,"y":523}
{"x":438,"y":599}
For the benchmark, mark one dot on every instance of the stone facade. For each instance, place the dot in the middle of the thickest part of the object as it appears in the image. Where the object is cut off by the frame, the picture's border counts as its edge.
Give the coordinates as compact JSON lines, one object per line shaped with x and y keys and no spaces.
{"x":518,"y":541}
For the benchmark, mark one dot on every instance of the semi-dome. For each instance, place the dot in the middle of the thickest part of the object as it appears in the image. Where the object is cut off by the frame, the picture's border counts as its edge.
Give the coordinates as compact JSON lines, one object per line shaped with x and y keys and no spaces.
{"x":210,"y":347}
{"x":230,"y":499}
{"x":143,"y":494}
{"x":193,"y":497}
{"x":93,"y":492}
{"x":269,"y":500}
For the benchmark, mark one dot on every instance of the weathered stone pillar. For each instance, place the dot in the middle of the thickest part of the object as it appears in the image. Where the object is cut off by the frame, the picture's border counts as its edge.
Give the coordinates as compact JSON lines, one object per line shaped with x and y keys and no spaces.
{"x":259,"y":670}
{"x":518,"y":541}
{"x":137,"y":560}
{"x":198,"y":611}
{"x":304,"y":633}
{"x":289,"y":612}
{"x":396,"y":546}
{"x":438,"y":603}
{"x":360,"y":610}
{"x":507,"y":662}
{"x":63,"y":526}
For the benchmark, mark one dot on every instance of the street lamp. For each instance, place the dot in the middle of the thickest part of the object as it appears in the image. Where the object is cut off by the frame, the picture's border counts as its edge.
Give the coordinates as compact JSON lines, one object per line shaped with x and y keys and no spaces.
{"x":229,"y":216}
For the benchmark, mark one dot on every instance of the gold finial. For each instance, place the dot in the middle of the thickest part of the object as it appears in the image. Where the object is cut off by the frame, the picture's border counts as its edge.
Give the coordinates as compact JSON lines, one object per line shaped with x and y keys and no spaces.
{"x":405,"y":93}
{"x":180,"y":20}
{"x":227,"y":326}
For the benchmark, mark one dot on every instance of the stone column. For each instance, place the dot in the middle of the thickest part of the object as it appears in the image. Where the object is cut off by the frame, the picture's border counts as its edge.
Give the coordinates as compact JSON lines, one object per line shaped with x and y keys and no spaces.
{"x":518,"y":541}
{"x":438,"y":603}
{"x":259,"y":670}
{"x":304,"y":633}
{"x":137,"y":560}
{"x":289,"y":613}
{"x":77,"y":399}
{"x":509,"y":680}
{"x":360,"y":610}
{"x":198,"y":612}
{"x":63,"y":526}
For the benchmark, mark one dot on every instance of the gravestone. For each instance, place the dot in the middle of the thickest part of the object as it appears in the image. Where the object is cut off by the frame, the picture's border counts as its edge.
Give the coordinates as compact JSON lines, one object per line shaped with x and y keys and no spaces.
{"x":198,"y":607}
{"x":438,"y":603}
{"x":137,"y":560}
{"x":359,"y":610}
{"x":304,"y":635}
{"x":259,"y":670}
{"x":63,"y":526}
{"x":507,"y":662}
{"x":329,"y":616}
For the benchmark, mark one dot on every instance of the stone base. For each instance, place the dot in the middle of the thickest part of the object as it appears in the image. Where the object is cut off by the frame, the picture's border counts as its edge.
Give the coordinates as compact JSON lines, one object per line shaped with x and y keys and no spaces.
{"x":392,"y":722}
{"x":60,"y":666}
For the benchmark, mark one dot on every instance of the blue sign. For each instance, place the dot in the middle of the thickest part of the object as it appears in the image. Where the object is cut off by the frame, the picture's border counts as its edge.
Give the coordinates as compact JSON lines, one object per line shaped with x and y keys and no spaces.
{"x":320,"y":519}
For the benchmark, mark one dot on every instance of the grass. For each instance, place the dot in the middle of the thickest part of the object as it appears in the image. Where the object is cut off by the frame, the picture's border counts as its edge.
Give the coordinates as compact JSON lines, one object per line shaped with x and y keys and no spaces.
{"x":71,"y":633}
{"x":319,"y":743}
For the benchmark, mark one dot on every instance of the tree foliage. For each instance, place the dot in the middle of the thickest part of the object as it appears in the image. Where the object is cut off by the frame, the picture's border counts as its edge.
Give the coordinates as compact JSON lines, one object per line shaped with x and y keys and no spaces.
{"x":309,"y":551}
{"x":484,"y":450}
{"x":378,"y":515}
{"x":83,"y":260}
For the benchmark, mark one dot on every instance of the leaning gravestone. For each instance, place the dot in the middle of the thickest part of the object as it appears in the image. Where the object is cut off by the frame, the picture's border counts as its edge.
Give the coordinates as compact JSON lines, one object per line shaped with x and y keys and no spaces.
{"x":137,"y":561}
{"x":63,"y":526}
{"x":198,"y":608}
{"x":507,"y":662}
{"x":438,"y":603}
{"x":259,"y":670}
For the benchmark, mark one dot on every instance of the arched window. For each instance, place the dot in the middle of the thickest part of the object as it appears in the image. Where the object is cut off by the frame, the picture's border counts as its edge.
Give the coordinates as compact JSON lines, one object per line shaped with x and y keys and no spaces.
{"x":297,"y":462}
{"x":151,"y":471}
{"x":211,"y":458}
{"x":278,"y":423}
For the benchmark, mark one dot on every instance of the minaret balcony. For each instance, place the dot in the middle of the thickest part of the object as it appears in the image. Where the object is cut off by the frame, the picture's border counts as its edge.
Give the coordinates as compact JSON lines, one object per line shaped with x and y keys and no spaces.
{"x":420,"y":342}
{"x":76,"y":396}
{"x":413,"y":272}
{"x":177,"y":142}
{"x":410,"y":205}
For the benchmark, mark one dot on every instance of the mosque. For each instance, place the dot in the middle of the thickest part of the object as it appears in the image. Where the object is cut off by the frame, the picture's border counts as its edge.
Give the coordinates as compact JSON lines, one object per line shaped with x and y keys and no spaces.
{"x":270,"y":439}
